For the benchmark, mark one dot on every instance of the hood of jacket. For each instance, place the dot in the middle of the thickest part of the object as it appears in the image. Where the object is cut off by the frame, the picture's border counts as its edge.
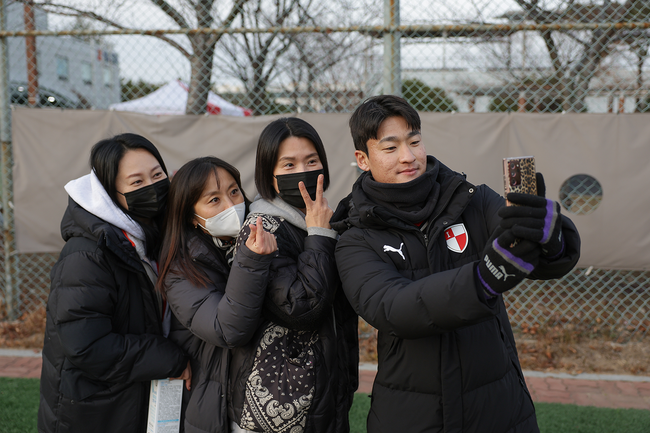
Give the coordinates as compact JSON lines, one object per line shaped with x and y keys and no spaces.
{"x":359,"y":210}
{"x":279,"y":208}
{"x":78,"y":222}
{"x":89,"y":193}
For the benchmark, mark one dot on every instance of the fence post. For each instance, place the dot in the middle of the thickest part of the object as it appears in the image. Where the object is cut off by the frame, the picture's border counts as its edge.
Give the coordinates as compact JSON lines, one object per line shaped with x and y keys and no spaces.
{"x":521,"y":102}
{"x":392,"y":55}
{"x":6,"y":160}
{"x":30,"y":54}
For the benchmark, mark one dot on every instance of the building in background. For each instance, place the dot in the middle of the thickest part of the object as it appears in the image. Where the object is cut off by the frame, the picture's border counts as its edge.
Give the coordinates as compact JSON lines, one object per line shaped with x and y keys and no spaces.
{"x":72,"y":72}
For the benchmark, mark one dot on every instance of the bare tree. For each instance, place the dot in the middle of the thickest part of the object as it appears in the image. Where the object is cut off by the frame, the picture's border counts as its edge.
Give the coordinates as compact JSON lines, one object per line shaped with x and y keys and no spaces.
{"x":329,"y":71}
{"x":185,"y":14}
{"x":305,"y":60}
{"x":575,"y":72}
{"x":253,"y":58}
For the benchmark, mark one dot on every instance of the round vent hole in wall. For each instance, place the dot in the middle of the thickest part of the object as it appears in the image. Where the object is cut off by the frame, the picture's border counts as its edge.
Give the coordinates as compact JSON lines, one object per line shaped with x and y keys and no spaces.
{"x":581,"y":194}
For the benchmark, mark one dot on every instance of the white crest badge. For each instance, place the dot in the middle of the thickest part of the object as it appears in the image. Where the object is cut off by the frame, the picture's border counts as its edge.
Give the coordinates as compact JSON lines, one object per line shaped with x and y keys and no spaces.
{"x":456,"y":237}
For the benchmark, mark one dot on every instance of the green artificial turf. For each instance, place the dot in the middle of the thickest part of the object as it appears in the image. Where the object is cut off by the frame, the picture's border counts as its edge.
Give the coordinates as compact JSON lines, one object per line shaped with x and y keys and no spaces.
{"x":568,"y":418}
{"x":551,"y":417}
{"x":19,"y":404}
{"x":359,"y":413}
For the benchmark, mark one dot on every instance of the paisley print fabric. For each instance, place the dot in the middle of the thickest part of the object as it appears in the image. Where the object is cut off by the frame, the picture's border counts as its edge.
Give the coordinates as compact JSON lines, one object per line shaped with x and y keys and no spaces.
{"x":280,"y":388}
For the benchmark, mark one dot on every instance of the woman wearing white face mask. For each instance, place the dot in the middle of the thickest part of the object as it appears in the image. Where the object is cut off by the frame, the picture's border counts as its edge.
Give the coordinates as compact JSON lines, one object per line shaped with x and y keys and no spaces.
{"x":215,"y":307}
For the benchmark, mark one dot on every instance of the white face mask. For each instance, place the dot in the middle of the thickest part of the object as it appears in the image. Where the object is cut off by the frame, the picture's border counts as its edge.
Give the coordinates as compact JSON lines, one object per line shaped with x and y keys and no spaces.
{"x":225,"y":223}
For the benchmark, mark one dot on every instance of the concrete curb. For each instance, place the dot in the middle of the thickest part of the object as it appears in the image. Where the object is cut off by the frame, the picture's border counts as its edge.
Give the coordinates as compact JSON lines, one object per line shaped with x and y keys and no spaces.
{"x":589,"y":376}
{"x":366,"y":366}
{"x":21,"y":353}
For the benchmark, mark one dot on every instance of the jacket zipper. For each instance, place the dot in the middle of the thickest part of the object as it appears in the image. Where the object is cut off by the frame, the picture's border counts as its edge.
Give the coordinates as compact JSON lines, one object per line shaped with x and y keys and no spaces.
{"x":423,"y":233}
{"x":430,"y":223}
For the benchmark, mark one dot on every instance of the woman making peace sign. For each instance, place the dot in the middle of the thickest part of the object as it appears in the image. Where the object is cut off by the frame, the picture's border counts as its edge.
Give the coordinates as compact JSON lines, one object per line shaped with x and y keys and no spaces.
{"x":299,"y":372}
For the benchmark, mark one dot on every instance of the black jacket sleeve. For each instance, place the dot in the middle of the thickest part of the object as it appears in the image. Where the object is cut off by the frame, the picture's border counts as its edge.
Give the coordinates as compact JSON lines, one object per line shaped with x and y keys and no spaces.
{"x":301,"y":290}
{"x":83,"y":304}
{"x":226,"y":319}
{"x":400,"y":306}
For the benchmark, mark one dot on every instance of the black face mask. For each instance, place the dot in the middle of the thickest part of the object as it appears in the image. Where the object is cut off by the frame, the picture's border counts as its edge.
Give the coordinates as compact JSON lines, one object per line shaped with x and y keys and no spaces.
{"x":149,"y":201}
{"x":288,"y":186}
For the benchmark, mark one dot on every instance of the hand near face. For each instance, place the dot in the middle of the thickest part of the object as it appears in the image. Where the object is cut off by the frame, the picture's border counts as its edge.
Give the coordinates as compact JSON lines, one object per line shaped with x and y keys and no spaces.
{"x":317,"y":212}
{"x":260,"y":241}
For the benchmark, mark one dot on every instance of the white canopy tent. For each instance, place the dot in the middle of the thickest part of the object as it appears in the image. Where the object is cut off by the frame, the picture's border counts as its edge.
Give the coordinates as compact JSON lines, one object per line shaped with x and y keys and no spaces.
{"x":172,"y":99}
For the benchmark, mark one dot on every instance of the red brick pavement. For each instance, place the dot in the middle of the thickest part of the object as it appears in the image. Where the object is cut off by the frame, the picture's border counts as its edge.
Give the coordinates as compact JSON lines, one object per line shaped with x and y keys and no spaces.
{"x":582,"y":392}
{"x":16,"y":366}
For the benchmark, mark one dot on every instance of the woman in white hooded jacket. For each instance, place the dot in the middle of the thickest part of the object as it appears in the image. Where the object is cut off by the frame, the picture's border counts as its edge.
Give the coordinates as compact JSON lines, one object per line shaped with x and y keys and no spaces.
{"x":105,"y":330}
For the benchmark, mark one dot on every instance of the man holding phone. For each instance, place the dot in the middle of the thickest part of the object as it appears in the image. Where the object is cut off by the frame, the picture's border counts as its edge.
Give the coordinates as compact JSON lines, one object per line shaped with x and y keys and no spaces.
{"x":424,"y":257}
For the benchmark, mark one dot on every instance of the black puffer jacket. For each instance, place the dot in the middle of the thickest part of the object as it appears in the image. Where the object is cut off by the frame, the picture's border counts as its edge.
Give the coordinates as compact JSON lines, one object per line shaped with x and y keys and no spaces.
{"x":103,"y":337}
{"x":304,"y":293}
{"x":447,"y":357}
{"x":210,"y":320}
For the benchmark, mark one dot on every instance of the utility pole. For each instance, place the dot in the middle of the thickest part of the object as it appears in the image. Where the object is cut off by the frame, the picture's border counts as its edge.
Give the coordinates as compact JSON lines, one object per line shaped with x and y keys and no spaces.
{"x":6,"y":161}
{"x":30,"y":55}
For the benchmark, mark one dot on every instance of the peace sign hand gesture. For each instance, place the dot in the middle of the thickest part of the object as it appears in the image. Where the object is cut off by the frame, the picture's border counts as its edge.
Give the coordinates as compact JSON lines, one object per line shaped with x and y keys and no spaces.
{"x":317,"y":212}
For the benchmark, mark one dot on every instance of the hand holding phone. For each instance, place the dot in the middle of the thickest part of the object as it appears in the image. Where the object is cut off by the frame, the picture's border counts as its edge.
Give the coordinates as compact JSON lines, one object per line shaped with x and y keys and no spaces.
{"x":533,"y":217}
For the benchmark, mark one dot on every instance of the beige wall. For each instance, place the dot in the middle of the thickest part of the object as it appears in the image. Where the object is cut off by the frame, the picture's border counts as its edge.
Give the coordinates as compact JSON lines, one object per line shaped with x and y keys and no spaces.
{"x":52,"y":147}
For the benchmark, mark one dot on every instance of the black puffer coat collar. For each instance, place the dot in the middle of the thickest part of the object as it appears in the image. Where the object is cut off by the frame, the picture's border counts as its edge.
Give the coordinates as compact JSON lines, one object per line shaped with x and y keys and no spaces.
{"x":358,"y":209}
{"x":78,"y":222}
{"x":202,"y":250}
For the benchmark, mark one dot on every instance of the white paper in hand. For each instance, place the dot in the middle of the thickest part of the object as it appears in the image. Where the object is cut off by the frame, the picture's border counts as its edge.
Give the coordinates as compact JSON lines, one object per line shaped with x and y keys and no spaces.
{"x":165,"y":406}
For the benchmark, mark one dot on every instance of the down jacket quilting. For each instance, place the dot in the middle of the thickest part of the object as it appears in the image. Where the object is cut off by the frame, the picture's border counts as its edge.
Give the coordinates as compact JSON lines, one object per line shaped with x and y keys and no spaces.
{"x":210,"y":320}
{"x":447,"y":356}
{"x":103,"y":337}
{"x":304,"y":293}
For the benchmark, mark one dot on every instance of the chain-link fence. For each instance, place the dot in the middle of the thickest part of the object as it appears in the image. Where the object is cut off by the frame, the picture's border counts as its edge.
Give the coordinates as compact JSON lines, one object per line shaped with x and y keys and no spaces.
{"x":256,"y":57}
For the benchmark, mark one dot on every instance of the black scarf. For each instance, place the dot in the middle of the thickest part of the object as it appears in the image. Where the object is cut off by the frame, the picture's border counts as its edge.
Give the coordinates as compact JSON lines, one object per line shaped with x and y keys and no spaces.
{"x":412,"y":201}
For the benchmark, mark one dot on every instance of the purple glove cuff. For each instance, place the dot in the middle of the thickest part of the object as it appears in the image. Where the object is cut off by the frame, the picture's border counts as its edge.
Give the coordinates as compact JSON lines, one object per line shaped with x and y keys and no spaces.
{"x":549,"y":221}
{"x":486,"y":287}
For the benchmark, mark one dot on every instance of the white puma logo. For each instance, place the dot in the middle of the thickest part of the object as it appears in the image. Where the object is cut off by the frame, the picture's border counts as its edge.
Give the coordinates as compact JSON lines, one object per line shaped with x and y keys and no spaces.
{"x":499,"y":272}
{"x":388,"y":248}
{"x":505,"y":274}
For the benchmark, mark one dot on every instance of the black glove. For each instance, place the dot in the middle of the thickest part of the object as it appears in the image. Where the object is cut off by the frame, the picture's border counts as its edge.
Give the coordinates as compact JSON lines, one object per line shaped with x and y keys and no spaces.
{"x":506,"y":261}
{"x":535,"y":218}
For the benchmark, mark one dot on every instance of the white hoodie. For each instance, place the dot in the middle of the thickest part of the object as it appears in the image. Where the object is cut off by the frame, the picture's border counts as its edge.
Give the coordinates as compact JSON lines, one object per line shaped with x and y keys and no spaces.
{"x":89,"y":193}
{"x":280,"y":208}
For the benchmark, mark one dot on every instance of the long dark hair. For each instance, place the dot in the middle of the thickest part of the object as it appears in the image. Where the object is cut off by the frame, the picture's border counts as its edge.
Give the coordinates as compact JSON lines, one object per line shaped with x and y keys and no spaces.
{"x":267,"y":151}
{"x":105,"y":158}
{"x":185,"y":190}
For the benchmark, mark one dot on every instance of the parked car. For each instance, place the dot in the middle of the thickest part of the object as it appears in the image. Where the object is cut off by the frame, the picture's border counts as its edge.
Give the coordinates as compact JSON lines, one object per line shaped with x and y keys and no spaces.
{"x":46,"y":97}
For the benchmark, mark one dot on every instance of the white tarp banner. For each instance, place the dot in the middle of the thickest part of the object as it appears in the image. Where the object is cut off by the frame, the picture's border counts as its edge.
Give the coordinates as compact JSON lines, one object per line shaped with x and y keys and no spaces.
{"x":52,"y":147}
